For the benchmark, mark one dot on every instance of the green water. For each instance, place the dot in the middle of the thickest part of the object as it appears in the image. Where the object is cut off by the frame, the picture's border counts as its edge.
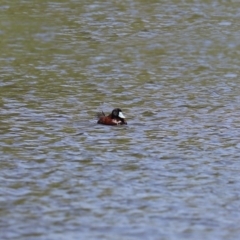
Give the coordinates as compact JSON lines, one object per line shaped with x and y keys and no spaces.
{"x":172,"y":172}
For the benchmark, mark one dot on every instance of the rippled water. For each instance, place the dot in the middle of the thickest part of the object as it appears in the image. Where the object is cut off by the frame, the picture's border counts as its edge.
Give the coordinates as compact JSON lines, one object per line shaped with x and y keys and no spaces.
{"x":172,"y":172}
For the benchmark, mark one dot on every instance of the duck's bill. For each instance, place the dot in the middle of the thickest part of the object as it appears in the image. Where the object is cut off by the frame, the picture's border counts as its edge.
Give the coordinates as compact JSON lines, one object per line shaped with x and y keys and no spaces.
{"x":121,"y":115}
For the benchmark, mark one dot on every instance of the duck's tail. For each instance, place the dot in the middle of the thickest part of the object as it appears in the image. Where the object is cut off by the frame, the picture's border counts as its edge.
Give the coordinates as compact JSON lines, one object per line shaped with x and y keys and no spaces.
{"x":100,"y":114}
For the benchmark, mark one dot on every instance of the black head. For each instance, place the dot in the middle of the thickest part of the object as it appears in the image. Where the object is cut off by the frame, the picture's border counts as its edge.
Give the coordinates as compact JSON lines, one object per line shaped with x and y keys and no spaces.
{"x":117,"y":113}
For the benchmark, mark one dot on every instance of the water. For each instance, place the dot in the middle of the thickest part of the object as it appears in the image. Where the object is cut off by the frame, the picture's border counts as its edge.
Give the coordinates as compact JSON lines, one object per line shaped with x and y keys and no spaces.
{"x":172,"y":172}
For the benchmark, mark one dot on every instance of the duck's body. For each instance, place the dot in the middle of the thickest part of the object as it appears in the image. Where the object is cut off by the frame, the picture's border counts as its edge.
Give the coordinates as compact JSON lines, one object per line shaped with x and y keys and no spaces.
{"x":115,"y":118}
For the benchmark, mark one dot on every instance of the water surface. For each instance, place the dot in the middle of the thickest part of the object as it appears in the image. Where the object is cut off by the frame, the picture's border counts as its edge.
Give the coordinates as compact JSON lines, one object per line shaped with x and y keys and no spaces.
{"x":172,"y":172}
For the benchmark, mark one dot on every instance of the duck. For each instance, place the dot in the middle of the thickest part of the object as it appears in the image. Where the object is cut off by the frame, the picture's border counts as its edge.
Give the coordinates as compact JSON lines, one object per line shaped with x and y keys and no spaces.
{"x":115,"y":118}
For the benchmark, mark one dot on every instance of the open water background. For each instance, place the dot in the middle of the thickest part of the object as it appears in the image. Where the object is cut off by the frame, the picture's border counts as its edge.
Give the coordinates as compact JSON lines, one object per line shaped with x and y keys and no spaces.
{"x":172,"y":67}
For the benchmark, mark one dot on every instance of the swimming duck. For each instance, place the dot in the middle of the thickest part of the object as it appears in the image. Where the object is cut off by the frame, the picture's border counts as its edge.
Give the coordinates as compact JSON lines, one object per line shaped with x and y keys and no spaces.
{"x":115,"y":118}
